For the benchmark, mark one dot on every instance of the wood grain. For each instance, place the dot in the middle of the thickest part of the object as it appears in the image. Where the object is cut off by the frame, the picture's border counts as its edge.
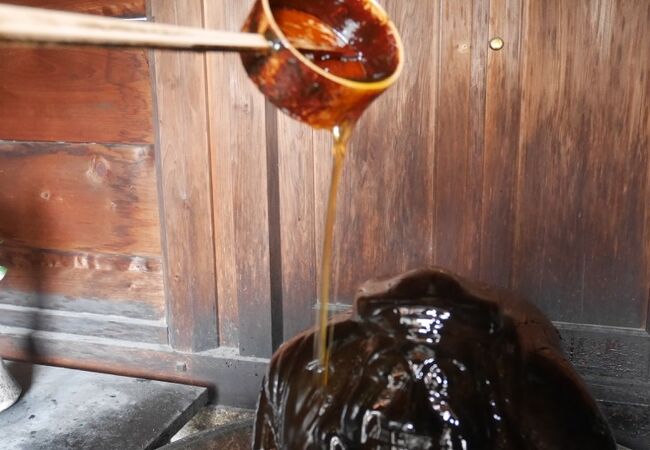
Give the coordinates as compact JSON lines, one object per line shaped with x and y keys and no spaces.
{"x":501,"y":125}
{"x":185,"y":186}
{"x":527,"y":167}
{"x":458,"y":142}
{"x":384,"y":221}
{"x":234,"y":380}
{"x":238,"y":136}
{"x":90,"y":197}
{"x":116,"y":8}
{"x":75,"y":95}
{"x":84,"y":324}
{"x":125,"y":285}
{"x":299,"y":248}
{"x":581,"y":249}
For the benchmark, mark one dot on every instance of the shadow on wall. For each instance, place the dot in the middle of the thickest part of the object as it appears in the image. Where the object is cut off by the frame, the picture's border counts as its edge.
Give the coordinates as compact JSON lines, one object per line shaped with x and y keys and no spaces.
{"x":22,"y":290}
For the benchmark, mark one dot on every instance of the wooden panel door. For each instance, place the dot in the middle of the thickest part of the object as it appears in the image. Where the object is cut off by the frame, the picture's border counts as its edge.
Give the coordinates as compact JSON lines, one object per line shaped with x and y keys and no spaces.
{"x":581,"y":238}
{"x":568,"y":108}
{"x":410,"y":192}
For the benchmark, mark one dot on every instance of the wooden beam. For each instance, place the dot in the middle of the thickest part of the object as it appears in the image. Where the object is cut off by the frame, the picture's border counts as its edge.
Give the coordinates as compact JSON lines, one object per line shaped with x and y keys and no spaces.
{"x":84,"y":324}
{"x":185,"y":186}
{"x":74,"y":281}
{"x":79,"y":197}
{"x":234,"y":380}
{"x":240,"y":161}
{"x":76,"y":94}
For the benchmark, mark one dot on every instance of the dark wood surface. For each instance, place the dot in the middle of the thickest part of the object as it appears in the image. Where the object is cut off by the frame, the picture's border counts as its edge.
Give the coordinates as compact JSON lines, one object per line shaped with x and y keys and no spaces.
{"x":185,"y":186}
{"x":233,"y":379}
{"x":528,"y":166}
{"x":238,"y":143}
{"x":501,"y":142}
{"x":84,"y":324}
{"x":582,"y":238}
{"x":299,"y":249}
{"x":79,"y":215}
{"x":458,"y":146}
{"x":79,"y":222}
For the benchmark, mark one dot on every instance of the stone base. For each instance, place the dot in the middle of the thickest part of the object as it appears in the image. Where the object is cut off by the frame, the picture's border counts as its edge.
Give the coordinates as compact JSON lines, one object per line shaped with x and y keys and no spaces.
{"x":9,"y":389}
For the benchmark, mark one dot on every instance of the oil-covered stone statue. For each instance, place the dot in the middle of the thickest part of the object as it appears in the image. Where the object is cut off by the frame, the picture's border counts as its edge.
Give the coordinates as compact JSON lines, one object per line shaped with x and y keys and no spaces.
{"x":430,"y":361}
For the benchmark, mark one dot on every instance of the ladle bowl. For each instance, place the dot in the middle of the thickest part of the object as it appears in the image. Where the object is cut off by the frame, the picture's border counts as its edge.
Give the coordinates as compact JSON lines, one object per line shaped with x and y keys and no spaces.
{"x":324,"y":89}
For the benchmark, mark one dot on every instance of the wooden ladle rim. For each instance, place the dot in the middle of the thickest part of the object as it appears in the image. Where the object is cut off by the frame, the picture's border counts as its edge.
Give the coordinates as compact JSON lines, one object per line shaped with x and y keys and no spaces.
{"x":379,"y":85}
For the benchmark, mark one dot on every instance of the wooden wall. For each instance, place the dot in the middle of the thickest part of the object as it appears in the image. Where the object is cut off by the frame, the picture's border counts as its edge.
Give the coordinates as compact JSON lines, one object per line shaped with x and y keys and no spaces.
{"x":526,"y":168}
{"x":78,"y":198}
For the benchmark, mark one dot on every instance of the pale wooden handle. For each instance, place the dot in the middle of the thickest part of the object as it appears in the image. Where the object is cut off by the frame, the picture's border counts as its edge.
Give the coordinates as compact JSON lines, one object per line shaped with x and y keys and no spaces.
{"x":26,"y":24}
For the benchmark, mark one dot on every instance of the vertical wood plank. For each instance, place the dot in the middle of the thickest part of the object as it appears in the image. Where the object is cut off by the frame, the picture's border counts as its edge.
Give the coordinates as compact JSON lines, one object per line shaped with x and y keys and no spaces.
{"x":502,"y":105}
{"x":613,"y":78}
{"x":386,"y":197}
{"x":459,"y":135}
{"x":322,"y":142}
{"x":585,"y":127}
{"x":238,"y":147}
{"x":297,"y":224}
{"x":185,"y":185}
{"x":549,"y":252}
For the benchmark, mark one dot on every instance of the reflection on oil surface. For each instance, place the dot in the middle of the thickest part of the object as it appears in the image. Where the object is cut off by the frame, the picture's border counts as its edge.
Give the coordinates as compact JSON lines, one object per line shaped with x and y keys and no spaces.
{"x":430,"y":362}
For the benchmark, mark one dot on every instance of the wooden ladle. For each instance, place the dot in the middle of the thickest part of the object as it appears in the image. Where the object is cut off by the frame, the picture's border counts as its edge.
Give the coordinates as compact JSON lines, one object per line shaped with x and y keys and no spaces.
{"x":45,"y":26}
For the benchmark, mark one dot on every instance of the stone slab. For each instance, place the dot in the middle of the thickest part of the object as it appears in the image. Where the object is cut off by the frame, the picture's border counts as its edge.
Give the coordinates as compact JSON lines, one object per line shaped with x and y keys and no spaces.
{"x":73,"y":409}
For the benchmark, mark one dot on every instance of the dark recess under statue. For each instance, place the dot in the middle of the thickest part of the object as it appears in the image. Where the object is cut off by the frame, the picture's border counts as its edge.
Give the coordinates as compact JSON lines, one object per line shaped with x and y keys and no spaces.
{"x":430,"y":361}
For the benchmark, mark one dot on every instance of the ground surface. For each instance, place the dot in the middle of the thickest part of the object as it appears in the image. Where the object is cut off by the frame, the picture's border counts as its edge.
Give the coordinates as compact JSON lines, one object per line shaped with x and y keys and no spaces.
{"x":73,"y":409}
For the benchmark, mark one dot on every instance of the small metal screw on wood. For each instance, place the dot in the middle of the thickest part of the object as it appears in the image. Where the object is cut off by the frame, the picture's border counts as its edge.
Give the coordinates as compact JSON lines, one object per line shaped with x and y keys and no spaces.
{"x":496,"y":43}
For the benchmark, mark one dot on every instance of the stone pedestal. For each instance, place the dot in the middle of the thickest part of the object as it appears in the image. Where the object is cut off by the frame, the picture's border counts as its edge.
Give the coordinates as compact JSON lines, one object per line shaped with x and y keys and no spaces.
{"x":9,"y":389}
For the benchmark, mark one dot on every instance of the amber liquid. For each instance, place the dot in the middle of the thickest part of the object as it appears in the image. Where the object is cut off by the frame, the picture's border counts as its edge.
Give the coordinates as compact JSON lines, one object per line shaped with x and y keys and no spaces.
{"x":341,"y":135}
{"x":349,"y":63}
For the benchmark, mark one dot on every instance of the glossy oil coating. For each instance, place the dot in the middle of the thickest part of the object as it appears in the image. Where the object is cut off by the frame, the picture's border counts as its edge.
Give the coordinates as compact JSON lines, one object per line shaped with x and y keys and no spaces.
{"x":429,"y":361}
{"x":324,"y":88}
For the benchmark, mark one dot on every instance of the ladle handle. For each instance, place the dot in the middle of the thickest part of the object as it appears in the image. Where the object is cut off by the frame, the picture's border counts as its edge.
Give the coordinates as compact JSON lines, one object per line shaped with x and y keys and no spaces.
{"x":37,"y":25}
